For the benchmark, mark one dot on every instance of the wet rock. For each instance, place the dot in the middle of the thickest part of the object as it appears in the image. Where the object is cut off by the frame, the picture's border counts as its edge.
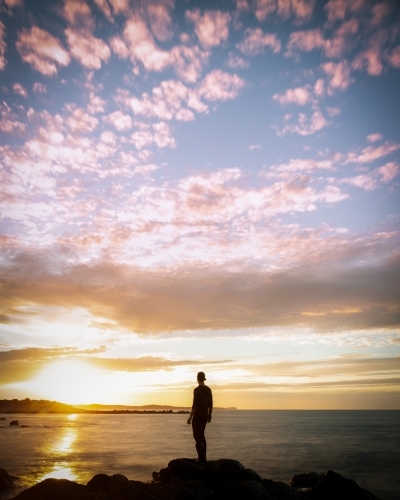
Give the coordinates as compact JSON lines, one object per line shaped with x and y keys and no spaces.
{"x":6,"y":481}
{"x":280,"y":491}
{"x":14,"y":422}
{"x":334,"y":486}
{"x":58,"y":489}
{"x":309,"y":480}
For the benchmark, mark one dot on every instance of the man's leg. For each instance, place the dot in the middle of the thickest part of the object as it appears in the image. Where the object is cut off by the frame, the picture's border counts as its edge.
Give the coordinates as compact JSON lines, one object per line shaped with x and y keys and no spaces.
{"x":198,"y":426}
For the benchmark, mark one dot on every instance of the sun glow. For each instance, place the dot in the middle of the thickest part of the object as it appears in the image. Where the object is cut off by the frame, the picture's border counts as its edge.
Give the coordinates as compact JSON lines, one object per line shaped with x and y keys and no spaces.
{"x":70,"y":381}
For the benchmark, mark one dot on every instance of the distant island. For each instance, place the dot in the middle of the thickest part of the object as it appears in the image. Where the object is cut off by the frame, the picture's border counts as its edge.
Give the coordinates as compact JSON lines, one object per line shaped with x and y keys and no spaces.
{"x":44,"y":406}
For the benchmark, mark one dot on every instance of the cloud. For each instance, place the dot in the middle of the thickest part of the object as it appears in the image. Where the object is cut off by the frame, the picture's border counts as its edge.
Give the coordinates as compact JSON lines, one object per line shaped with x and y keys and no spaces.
{"x":299,"y":96}
{"x":211,"y":28}
{"x":187,"y":61}
{"x":39,"y":88}
{"x":105,"y":9}
{"x":9,"y":122}
{"x":371,"y":180}
{"x":80,"y":121}
{"x":338,"y":9}
{"x":394,"y":58}
{"x":255,"y":41}
{"x":304,"y":125}
{"x":87,"y":49}
{"x":158,"y":133}
{"x":371,"y":58}
{"x":372,"y":153}
{"x":357,"y":297}
{"x":3,"y":46}
{"x":119,"y":120}
{"x":221,"y":86}
{"x":41,"y":50}
{"x":234,"y":61}
{"x":160,"y":19}
{"x":374,"y":137}
{"x":118,"y":46}
{"x":305,"y":41}
{"x":78,"y":14}
{"x":19,"y":89}
{"x":301,"y":9}
{"x":339,"y":76}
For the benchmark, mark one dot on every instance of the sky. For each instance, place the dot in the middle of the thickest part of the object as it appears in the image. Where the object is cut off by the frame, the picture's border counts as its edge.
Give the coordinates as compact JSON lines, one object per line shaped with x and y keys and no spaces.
{"x":207,"y":186}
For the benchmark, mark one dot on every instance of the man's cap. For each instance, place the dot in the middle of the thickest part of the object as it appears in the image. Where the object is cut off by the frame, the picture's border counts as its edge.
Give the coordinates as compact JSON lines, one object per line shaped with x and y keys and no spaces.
{"x":201,"y":376}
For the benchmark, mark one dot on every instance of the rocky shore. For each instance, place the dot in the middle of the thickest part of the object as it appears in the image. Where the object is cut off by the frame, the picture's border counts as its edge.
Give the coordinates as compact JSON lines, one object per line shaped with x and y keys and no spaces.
{"x":183,"y":479}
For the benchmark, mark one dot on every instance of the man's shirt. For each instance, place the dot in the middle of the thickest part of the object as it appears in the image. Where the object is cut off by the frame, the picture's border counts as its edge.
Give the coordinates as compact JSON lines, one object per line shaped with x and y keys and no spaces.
{"x":202,"y":400}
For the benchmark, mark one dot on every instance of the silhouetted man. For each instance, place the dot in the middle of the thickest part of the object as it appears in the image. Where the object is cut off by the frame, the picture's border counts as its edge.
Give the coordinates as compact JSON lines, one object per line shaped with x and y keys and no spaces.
{"x":200,"y":416}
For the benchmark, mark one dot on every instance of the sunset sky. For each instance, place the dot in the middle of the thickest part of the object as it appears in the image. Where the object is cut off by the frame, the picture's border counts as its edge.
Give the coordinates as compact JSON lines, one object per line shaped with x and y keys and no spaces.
{"x":205,"y":186}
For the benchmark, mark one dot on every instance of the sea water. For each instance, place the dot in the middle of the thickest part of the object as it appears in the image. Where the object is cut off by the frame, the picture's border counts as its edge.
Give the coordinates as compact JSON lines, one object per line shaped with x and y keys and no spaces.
{"x":362,"y":445}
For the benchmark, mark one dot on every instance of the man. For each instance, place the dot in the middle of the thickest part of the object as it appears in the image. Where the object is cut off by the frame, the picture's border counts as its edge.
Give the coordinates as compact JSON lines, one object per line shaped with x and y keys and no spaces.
{"x":200,"y":416}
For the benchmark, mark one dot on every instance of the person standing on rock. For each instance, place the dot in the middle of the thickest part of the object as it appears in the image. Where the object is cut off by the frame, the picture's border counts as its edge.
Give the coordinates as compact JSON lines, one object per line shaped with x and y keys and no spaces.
{"x":200,"y":416}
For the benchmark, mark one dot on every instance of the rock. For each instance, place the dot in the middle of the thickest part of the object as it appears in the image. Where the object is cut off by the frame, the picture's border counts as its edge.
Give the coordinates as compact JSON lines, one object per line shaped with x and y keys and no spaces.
{"x":250,"y":475}
{"x":181,"y":468}
{"x":249,"y":490}
{"x":309,"y":480}
{"x":14,"y":422}
{"x":3,"y":418}
{"x":186,"y":490}
{"x":225,"y":471}
{"x":334,"y":486}
{"x":58,"y":489}
{"x":24,"y":426}
{"x":280,"y":491}
{"x":6,"y":481}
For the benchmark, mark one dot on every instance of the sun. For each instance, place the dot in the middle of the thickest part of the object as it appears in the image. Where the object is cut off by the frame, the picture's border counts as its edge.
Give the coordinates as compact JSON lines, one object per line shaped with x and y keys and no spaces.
{"x":71,"y":381}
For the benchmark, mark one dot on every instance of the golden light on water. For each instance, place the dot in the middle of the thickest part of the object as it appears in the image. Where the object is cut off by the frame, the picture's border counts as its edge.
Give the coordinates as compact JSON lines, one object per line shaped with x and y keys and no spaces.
{"x":60,"y":471}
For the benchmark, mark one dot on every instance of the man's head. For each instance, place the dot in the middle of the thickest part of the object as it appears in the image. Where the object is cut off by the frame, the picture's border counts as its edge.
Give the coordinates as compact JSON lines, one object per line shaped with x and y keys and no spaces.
{"x":201,"y":377}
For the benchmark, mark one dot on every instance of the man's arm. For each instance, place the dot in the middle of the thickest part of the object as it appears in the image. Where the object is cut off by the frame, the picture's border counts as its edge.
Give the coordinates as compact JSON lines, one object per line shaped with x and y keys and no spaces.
{"x":210,"y":409}
{"x":189,"y":421}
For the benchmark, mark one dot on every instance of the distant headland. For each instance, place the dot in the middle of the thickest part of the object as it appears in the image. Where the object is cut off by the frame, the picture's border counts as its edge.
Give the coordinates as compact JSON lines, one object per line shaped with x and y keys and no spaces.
{"x":44,"y":406}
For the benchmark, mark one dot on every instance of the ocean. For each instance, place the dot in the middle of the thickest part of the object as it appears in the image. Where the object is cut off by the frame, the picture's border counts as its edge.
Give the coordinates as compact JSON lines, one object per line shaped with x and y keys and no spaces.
{"x":362,"y":445}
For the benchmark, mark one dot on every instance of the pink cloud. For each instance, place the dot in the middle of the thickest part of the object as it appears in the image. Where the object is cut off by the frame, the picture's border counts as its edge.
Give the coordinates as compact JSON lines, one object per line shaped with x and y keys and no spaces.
{"x":3,"y":46}
{"x":342,"y":39}
{"x":371,"y":180}
{"x":118,"y":46}
{"x":255,"y":41}
{"x":371,"y":59}
{"x":299,"y":96}
{"x":337,"y":9}
{"x":379,"y":12}
{"x":9,"y":122}
{"x":96,"y":104}
{"x":87,"y":49}
{"x":187,"y":61}
{"x":39,"y":88}
{"x":105,"y":8}
{"x":372,"y":153}
{"x":41,"y":50}
{"x":234,"y":61}
{"x":319,"y":88}
{"x":119,"y":120}
{"x":221,"y":86}
{"x":388,"y":171}
{"x":300,"y":165}
{"x":394,"y":58}
{"x":120,"y":6}
{"x":211,"y":28}
{"x":78,"y":14}
{"x":304,"y":125}
{"x":160,"y":19}
{"x":301,"y":9}
{"x":305,"y":41}
{"x":80,"y":121}
{"x":19,"y":90}
{"x":339,"y":76}
{"x":374,"y":137}
{"x":158,"y":133}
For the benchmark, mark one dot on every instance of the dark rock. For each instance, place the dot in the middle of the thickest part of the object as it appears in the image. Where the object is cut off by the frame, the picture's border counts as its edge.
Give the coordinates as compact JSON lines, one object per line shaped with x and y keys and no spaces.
{"x":6,"y":481}
{"x":120,"y":489}
{"x":14,"y":422}
{"x":334,"y":486}
{"x":250,"y":475}
{"x":186,"y":490}
{"x":249,"y":490}
{"x":225,"y":471}
{"x":3,"y":418}
{"x":309,"y":480}
{"x":24,"y":426}
{"x":58,"y":489}
{"x":280,"y":491}
{"x":181,"y":468}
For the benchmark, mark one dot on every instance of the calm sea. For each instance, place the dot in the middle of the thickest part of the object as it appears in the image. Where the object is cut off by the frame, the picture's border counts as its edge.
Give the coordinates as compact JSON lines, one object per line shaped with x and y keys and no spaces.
{"x":363,"y":445}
